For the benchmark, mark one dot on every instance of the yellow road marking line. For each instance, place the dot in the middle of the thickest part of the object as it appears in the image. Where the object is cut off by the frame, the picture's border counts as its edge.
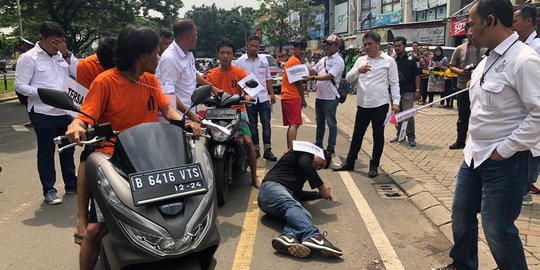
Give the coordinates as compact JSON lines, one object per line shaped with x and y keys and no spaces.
{"x":244,"y":250}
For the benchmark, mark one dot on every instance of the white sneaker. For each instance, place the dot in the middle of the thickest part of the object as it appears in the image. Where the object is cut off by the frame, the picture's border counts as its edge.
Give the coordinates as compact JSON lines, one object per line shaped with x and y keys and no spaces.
{"x":51,"y":198}
{"x":527,"y":199}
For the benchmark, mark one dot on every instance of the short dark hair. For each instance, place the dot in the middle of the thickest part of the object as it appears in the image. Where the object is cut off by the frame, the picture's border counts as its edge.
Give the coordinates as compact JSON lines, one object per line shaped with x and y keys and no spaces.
{"x":373,"y":36}
{"x":528,"y":11}
{"x":502,"y":10}
{"x":182,"y":26}
{"x":328,"y":157}
{"x":302,"y":43}
{"x":226,"y":43}
{"x":134,"y":41}
{"x":105,"y":52}
{"x":256,"y":38}
{"x":414,"y":42}
{"x":402,"y":39}
{"x":165,"y":34}
{"x":48,"y":28}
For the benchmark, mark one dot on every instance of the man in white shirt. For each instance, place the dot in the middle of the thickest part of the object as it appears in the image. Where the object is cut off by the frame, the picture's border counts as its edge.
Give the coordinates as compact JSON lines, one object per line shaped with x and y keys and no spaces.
{"x":327,"y":73}
{"x":504,"y":126}
{"x":176,"y":67}
{"x":253,"y":62}
{"x":375,"y":73}
{"x":523,"y":24}
{"x":46,"y":66}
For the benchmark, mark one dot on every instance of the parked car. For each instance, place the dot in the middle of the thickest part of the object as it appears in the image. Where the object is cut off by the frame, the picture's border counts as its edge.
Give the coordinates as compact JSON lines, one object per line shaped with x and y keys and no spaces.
{"x":276,"y":72}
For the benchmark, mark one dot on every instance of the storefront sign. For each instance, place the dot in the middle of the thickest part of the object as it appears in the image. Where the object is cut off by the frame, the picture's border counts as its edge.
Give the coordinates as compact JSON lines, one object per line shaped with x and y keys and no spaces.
{"x":387,"y":18}
{"x":318,"y":30}
{"x":341,"y":18}
{"x":458,"y":27}
{"x":432,"y":35}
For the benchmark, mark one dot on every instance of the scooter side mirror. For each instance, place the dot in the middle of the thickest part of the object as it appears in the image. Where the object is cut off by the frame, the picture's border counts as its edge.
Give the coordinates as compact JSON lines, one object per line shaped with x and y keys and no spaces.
{"x":252,"y":84}
{"x":56,"y":98}
{"x":200,"y":95}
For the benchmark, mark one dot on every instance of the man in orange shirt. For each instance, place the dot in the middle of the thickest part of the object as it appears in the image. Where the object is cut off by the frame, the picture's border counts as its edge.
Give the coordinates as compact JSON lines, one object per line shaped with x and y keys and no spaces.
{"x":226,"y":77}
{"x":125,"y":96}
{"x":292,"y":94}
{"x":87,"y":70}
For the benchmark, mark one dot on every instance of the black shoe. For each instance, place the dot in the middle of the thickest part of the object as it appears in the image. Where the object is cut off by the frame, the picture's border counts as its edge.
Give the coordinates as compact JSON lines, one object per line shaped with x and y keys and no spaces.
{"x":344,"y":167}
{"x":287,"y":244}
{"x":448,"y":267}
{"x":318,"y":242}
{"x":456,"y":146}
{"x":257,"y":153}
{"x":373,"y":171}
{"x":268,"y":155}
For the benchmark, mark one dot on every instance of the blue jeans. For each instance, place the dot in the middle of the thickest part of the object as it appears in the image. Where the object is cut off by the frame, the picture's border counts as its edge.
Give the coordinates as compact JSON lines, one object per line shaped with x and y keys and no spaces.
{"x":276,"y":200}
{"x":495,"y":190}
{"x":47,"y":127}
{"x":264,"y":110}
{"x":534,"y":169}
{"x":325,"y":110}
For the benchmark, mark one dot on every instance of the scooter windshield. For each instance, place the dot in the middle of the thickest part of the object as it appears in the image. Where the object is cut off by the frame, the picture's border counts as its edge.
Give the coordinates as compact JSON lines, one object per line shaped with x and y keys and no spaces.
{"x":150,"y":146}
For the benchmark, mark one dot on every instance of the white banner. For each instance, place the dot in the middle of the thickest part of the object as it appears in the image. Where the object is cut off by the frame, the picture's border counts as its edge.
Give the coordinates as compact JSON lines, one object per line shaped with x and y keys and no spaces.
{"x":403,"y":131}
{"x":341,"y":18}
{"x":432,"y":35}
{"x":77,"y":93}
{"x":404,"y":115}
{"x":296,"y":73}
{"x":251,"y":91}
{"x":308,"y":147}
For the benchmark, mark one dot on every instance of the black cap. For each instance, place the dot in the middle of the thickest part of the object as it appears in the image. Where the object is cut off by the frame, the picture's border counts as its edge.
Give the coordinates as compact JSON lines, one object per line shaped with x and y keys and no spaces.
{"x":302,"y":43}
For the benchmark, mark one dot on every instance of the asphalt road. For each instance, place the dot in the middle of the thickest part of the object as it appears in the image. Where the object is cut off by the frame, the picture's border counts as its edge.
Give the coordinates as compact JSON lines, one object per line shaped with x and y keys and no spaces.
{"x":374,"y":232}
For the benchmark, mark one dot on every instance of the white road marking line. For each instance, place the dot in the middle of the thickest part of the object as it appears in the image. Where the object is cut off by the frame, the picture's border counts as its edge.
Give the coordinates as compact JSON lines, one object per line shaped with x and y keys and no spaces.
{"x":305,"y":118}
{"x":19,"y":128}
{"x":383,"y":245}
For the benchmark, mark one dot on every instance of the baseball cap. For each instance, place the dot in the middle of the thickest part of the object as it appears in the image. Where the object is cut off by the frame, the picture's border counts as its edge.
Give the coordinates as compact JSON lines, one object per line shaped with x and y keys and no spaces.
{"x":332,"y":39}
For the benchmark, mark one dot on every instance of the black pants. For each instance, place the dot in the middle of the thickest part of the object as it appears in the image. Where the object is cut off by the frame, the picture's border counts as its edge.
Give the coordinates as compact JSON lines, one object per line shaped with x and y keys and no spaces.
{"x":464,"y":112}
{"x":423,"y":89}
{"x":363,"y":117}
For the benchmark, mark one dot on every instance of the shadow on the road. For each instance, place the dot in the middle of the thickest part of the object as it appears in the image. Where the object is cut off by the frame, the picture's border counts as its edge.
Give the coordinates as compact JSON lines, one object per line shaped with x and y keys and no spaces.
{"x":61,"y":215}
{"x":314,"y":257}
{"x":11,"y":141}
{"x":228,"y":231}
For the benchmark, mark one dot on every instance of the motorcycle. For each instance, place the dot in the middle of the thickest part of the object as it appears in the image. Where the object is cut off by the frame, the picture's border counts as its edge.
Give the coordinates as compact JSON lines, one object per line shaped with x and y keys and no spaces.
{"x":226,"y":145}
{"x":156,"y":192}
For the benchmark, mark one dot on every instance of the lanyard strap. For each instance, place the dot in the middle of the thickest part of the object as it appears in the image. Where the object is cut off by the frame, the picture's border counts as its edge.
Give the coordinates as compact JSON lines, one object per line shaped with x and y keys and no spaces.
{"x":492,"y":64}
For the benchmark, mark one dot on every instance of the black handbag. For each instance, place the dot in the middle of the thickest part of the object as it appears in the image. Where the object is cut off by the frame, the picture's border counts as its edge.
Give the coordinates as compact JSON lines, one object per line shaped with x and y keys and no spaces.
{"x":342,"y":88}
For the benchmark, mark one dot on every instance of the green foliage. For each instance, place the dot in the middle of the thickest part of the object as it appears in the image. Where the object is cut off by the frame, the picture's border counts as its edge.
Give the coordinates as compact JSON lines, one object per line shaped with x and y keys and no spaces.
{"x":275,"y":15}
{"x":87,"y":21}
{"x":215,"y":24}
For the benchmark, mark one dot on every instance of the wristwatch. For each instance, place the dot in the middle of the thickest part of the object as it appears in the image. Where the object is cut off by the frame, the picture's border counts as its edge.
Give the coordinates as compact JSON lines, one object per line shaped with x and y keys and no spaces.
{"x":67,"y":54}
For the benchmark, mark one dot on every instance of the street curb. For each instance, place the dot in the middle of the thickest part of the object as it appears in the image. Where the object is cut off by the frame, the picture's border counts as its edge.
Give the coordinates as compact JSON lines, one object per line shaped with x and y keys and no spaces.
{"x":8,"y":97}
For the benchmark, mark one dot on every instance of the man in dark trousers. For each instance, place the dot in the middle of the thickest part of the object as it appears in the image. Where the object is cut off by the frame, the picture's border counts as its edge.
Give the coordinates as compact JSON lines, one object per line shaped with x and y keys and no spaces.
{"x":280,"y":196}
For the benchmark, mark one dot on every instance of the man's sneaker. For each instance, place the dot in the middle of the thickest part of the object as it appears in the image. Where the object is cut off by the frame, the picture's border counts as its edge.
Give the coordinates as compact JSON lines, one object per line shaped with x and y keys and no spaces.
{"x":320,"y":243}
{"x":288,"y":244}
{"x":52,"y":198}
{"x":71,"y":191}
{"x":268,"y":155}
{"x":412,"y":142}
{"x":456,"y":145}
{"x":332,"y":152}
{"x":533,"y":189}
{"x":527,"y":199}
{"x":448,"y":267}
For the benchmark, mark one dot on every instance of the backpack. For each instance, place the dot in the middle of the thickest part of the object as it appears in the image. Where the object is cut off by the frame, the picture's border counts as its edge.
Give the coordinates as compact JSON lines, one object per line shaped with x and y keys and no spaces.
{"x":342,"y":88}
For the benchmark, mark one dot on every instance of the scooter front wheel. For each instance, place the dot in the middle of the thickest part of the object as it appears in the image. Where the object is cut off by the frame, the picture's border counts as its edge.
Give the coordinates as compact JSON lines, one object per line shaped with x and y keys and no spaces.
{"x":222,"y":187}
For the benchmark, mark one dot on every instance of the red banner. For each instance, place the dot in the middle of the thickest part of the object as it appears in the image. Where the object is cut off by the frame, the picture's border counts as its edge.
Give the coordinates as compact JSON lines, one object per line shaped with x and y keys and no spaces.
{"x":458,"y":27}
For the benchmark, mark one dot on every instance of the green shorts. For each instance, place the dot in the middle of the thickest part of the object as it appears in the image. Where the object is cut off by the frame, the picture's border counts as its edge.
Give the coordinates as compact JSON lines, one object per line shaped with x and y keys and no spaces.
{"x":244,"y":125}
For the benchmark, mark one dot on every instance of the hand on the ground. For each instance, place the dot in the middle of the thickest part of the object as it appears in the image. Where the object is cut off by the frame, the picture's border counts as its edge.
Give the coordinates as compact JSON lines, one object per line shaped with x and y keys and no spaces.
{"x":324,"y":192}
{"x":365,"y":68}
{"x":395,"y":108}
{"x":75,"y":133}
{"x":496,"y":156}
{"x":256,"y":183}
{"x":272,"y":99}
{"x":304,"y":104}
{"x":196,"y":127}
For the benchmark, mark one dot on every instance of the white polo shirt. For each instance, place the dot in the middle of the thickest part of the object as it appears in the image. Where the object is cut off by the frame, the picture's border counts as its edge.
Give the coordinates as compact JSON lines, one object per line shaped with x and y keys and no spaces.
{"x":505,"y":109}
{"x":260,"y":68}
{"x":177,"y":74}
{"x":372,"y":90}
{"x":37,"y":69}
{"x":335,"y":66}
{"x":534,"y":41}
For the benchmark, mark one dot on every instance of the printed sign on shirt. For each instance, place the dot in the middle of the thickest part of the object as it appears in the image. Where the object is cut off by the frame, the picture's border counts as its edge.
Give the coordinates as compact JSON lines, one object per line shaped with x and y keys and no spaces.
{"x":308,"y":147}
{"x":251,"y":91}
{"x":403,"y":131}
{"x":296,"y":73}
{"x":77,"y":93}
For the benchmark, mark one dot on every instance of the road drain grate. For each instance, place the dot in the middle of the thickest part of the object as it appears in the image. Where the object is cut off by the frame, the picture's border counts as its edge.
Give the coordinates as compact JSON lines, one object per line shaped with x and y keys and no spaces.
{"x":389,"y":191}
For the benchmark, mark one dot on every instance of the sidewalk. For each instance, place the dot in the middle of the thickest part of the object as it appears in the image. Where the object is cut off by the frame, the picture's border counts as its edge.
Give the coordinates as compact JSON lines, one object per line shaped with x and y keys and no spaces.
{"x":427,"y":173}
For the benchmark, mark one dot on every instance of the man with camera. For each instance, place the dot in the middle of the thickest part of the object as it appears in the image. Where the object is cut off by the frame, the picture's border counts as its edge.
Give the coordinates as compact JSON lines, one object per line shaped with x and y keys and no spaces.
{"x":464,"y":60}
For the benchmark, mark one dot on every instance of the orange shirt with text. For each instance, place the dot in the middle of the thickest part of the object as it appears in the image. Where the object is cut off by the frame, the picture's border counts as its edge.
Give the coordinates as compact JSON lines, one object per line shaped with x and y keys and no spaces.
{"x":290,"y":90}
{"x":227,"y":80}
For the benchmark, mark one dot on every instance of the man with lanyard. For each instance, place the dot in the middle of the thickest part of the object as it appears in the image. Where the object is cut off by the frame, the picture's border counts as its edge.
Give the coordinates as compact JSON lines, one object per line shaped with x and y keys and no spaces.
{"x":252,"y":62}
{"x":376,"y":77}
{"x":46,"y":66}
{"x":327,"y":72}
{"x":226,"y":77}
{"x":409,"y":79}
{"x":281,"y":195}
{"x":523,"y":24}
{"x":504,"y":127}
{"x":176,"y":68}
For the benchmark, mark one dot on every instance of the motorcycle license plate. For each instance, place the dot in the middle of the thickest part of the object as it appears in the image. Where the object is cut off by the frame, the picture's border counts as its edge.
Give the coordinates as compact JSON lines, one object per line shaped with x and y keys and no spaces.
{"x":220,"y":114}
{"x":165,"y":184}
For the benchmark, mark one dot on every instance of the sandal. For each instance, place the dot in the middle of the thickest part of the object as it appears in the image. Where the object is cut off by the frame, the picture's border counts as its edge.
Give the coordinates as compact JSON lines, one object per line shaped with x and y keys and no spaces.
{"x":77,"y":238}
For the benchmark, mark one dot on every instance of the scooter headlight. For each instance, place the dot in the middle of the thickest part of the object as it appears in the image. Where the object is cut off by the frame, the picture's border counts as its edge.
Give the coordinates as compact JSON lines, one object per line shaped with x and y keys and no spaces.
{"x":219,"y":135}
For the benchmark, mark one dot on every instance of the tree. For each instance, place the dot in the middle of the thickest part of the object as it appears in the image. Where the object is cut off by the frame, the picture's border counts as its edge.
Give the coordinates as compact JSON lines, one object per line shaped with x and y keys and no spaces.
{"x":215,"y":24}
{"x":275,"y":19}
{"x":88,"y":21}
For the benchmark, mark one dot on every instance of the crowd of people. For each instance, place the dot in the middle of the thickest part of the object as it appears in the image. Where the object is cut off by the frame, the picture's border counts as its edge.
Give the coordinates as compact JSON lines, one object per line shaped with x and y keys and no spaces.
{"x":141,"y":66}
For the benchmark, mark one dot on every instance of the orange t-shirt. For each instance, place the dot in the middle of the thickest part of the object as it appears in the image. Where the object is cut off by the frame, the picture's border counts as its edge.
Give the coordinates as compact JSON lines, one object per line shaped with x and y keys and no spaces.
{"x":227,"y":80}
{"x":290,"y":90}
{"x":87,"y":70}
{"x":113,"y":98}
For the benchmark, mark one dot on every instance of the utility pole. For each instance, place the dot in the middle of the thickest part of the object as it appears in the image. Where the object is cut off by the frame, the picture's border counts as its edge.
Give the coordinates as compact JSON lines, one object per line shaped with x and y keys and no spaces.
{"x":20,"y":19}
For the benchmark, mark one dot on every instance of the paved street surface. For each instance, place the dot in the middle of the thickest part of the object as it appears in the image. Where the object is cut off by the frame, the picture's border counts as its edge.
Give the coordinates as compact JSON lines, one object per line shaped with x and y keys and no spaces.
{"x":374,"y":232}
